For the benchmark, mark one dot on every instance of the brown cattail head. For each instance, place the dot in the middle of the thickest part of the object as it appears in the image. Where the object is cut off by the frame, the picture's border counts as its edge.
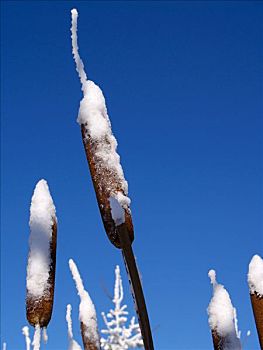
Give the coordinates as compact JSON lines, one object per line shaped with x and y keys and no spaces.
{"x":257,"y":306}
{"x":106,"y":183}
{"x":255,"y":282}
{"x":218,"y":341}
{"x":88,"y":342}
{"x":42,"y":257}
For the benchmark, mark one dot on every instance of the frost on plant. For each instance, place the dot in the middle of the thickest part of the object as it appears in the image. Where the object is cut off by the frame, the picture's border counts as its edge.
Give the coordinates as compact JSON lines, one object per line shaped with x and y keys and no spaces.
{"x":120,"y":337}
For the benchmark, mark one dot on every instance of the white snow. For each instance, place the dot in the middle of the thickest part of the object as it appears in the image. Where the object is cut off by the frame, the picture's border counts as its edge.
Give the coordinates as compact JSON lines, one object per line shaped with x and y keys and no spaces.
{"x":93,"y":114}
{"x":120,"y":337}
{"x":117,"y":211}
{"x":25,"y":332}
{"x":87,"y":312}
{"x":37,"y":338}
{"x":42,"y":214}
{"x":44,"y":335}
{"x":73,"y":345}
{"x":222,"y":315}
{"x":255,"y":275}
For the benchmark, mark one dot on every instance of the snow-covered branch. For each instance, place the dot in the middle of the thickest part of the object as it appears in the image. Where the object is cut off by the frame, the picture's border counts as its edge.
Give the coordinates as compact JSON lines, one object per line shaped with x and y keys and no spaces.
{"x":120,"y":337}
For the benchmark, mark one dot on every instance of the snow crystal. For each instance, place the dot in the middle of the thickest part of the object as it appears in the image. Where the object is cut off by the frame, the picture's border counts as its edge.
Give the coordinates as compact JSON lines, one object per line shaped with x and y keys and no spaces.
{"x":255,"y":275}
{"x":37,"y":338}
{"x":93,"y":114}
{"x":222,"y":315}
{"x":87,"y":312}
{"x":42,"y":215}
{"x":25,"y":331}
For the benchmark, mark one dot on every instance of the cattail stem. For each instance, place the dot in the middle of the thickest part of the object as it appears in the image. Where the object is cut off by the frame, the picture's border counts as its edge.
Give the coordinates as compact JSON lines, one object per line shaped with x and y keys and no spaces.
{"x":257,"y":306}
{"x":136,"y":286}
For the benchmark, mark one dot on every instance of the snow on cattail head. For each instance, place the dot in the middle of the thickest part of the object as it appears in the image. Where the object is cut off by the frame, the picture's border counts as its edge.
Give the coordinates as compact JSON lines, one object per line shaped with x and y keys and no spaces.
{"x":100,"y":146}
{"x":222,"y":315}
{"x":87,"y":312}
{"x":42,"y":213}
{"x":255,"y":282}
{"x":255,"y":275}
{"x":42,"y":256}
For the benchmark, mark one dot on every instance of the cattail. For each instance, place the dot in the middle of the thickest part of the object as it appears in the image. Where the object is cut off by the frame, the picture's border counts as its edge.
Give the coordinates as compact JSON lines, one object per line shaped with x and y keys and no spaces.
{"x":87,"y":313}
{"x":42,"y":257}
{"x":100,"y":147}
{"x":222,"y":318}
{"x":255,"y":282}
{"x":110,"y":186}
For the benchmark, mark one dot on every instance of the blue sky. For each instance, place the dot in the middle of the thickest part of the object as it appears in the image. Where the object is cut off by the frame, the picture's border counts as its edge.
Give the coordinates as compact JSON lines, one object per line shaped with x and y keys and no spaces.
{"x":183,"y":86}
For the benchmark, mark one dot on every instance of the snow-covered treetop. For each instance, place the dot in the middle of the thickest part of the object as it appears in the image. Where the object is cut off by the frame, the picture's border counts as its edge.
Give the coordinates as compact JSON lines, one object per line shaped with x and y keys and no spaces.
{"x":93,"y":114}
{"x":87,"y":312}
{"x":255,"y":275}
{"x":42,"y":216}
{"x":119,"y":336}
{"x":222,"y":315}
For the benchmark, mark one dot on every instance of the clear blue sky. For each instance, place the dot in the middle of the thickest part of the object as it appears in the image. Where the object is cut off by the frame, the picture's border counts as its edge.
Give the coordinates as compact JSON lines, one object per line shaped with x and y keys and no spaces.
{"x":183,"y":85}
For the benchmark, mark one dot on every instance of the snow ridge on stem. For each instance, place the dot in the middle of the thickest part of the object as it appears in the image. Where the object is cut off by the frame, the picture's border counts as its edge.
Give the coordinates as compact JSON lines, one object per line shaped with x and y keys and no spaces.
{"x":37,"y":338}
{"x":73,"y":345}
{"x":87,"y":312}
{"x":25,"y":332}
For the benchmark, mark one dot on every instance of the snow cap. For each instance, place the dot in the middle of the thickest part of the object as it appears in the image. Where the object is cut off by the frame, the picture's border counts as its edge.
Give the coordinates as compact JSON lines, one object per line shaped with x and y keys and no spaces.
{"x":42,"y":216}
{"x":255,"y":275}
{"x":222,"y":315}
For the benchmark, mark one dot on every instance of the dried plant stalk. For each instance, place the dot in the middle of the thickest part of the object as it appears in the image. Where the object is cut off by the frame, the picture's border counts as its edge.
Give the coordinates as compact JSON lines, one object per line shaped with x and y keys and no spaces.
{"x":105,"y":183}
{"x":257,"y":306}
{"x":39,"y":310}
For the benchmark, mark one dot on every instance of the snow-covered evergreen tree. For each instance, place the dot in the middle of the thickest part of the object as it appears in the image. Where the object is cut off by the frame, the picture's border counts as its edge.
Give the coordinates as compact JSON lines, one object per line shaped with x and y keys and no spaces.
{"x":120,"y":337}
